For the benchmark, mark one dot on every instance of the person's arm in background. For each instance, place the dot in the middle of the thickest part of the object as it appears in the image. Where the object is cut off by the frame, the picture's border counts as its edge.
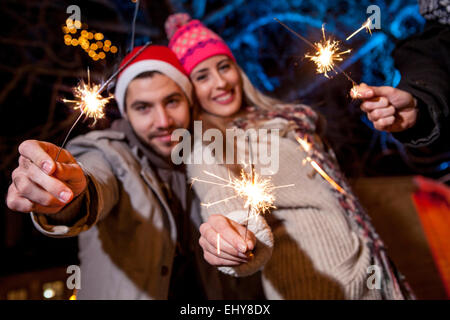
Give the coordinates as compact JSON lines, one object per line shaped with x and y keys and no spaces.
{"x":417,"y":112}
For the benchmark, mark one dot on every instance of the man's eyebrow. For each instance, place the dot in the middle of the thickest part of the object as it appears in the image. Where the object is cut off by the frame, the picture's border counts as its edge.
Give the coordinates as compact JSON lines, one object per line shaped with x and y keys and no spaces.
{"x":173,"y":95}
{"x":140,"y":102}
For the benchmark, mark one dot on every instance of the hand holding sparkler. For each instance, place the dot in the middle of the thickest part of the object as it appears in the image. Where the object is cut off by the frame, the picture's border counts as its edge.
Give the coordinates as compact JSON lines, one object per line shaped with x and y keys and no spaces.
{"x":231,"y":249}
{"x":41,"y":184}
{"x":388,"y":108}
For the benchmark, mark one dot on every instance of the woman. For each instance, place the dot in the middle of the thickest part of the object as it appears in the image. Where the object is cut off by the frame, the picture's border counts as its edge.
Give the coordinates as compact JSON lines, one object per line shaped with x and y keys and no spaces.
{"x":324,"y":243}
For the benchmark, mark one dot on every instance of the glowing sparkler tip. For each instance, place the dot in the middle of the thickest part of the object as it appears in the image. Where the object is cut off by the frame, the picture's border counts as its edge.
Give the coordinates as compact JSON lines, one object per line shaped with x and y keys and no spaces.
{"x":327,"y":55}
{"x":89,"y":100}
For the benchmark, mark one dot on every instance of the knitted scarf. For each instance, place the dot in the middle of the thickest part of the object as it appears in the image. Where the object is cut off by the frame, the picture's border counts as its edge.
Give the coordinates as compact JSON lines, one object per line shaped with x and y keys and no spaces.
{"x":303,"y":121}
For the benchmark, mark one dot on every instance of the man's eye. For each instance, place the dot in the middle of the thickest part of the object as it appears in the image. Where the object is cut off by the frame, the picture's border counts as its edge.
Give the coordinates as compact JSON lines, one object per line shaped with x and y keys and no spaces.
{"x":172,"y":102}
{"x":141,"y":108}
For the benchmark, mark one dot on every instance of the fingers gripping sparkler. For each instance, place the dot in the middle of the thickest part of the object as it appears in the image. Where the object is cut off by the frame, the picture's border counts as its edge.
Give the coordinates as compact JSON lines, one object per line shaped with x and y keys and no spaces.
{"x":89,"y":100}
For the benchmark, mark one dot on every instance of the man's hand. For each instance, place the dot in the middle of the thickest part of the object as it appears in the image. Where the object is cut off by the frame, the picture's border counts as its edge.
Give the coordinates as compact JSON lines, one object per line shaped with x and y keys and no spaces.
{"x":388,"y":108}
{"x":40,"y":184}
{"x":234,"y":251}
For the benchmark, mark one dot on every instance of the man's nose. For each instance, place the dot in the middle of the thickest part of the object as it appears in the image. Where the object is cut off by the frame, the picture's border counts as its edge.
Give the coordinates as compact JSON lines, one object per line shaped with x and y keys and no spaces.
{"x":163,"y":119}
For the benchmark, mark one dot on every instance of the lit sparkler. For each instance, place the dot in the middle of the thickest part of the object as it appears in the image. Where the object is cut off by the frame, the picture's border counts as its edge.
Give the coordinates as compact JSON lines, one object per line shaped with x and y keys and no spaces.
{"x":257,"y":194}
{"x":327,"y":52}
{"x":365,"y":25}
{"x":89,"y":99}
{"x":307,"y":147}
{"x":327,"y":55}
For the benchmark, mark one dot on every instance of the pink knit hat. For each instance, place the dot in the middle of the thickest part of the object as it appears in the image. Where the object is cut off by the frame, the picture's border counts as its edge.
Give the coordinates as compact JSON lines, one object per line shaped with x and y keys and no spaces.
{"x":192,"y":42}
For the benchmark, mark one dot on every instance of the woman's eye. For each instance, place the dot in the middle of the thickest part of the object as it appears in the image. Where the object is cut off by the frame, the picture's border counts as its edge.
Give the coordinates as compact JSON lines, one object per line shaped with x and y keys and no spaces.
{"x":202,"y":77}
{"x":224,"y":67}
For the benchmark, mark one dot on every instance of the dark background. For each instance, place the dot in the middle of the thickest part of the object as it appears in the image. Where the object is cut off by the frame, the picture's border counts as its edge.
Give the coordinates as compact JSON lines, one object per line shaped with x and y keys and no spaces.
{"x":37,"y":69}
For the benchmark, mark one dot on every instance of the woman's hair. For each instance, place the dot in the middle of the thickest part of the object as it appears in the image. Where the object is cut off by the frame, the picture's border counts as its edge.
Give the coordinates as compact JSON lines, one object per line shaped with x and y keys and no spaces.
{"x":254,"y":97}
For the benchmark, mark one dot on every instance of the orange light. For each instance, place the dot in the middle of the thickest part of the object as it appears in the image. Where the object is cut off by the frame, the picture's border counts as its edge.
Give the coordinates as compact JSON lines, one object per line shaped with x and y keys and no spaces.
{"x":113,"y":49}
{"x":74,"y":42}
{"x":93,"y":46}
{"x":77,"y":24}
{"x":99,"y":36}
{"x":102,"y":55}
{"x":107,"y":43}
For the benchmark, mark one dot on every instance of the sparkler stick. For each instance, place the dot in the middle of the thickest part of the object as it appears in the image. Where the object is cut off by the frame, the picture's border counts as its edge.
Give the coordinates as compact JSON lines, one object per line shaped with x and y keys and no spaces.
{"x":252,"y":174}
{"x":307,"y":147}
{"x":133,"y":24}
{"x":365,"y":25}
{"x":218,"y":243}
{"x":89,"y":99}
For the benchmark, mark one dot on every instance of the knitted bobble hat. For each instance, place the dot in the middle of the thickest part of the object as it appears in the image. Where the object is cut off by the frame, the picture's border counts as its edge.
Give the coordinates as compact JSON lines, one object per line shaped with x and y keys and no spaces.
{"x":192,"y":42}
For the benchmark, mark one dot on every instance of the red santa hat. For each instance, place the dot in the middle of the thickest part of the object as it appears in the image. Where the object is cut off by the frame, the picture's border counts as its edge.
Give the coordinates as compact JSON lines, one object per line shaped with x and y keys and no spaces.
{"x":152,"y":58}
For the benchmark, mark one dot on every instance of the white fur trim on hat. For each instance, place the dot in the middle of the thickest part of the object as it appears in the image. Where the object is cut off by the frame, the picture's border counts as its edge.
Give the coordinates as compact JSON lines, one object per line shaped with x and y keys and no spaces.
{"x":150,"y":65}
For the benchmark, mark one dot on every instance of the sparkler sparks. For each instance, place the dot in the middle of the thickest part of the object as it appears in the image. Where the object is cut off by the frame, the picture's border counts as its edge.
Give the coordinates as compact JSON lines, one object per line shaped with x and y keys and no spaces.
{"x":257,"y":194}
{"x":327,"y":52}
{"x":327,"y":55}
{"x":308,"y":149}
{"x":89,"y":99}
{"x":365,"y":25}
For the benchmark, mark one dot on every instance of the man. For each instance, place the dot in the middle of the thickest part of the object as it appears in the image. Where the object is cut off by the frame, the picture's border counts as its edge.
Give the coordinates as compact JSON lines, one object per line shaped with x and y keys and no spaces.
{"x":122,"y":195}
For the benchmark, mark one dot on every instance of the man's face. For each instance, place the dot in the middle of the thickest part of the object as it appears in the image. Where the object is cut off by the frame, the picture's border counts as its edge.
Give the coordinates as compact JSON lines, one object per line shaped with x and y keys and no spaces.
{"x":155,"y":107}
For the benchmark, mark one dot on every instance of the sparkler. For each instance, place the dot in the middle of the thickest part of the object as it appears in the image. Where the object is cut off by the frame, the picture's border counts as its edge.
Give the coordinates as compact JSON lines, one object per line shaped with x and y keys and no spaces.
{"x":258,"y":195}
{"x":326,"y":55}
{"x":365,"y":25}
{"x":307,"y":147}
{"x":89,"y":100}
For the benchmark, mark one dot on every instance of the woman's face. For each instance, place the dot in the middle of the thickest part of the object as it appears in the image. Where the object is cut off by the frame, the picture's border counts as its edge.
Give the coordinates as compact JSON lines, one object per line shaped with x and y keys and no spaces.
{"x":218,"y":86}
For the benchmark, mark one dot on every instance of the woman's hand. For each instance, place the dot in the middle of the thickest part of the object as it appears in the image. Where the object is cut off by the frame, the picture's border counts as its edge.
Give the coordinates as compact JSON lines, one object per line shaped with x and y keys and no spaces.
{"x":234,"y":251}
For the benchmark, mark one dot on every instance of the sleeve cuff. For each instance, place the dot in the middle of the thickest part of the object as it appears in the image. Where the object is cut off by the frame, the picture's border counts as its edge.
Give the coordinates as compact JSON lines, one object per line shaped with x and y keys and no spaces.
{"x":263,"y":248}
{"x":69,"y":222}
